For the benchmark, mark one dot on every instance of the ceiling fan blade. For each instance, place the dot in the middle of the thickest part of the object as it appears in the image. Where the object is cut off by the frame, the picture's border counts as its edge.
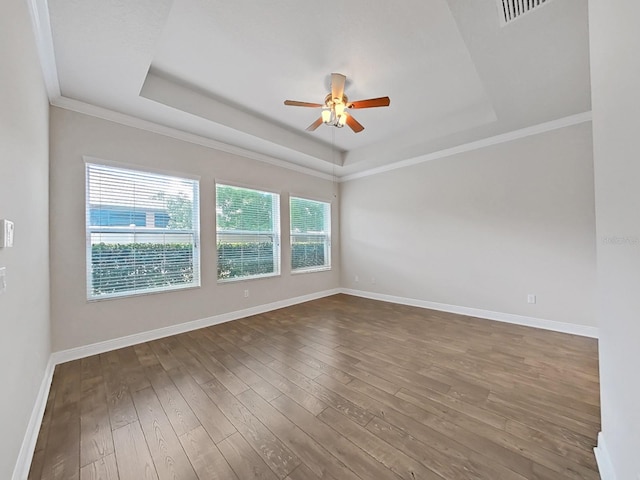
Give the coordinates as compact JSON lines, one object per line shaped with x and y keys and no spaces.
{"x":337,"y":85}
{"x":354,"y":124}
{"x":294,"y":103}
{"x":314,"y":125}
{"x":371,"y":102}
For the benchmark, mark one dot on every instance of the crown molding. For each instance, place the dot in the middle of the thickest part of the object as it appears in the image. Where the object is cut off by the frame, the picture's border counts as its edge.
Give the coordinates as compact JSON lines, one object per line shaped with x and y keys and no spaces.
{"x":153,"y":127}
{"x":39,"y":13}
{"x":41,"y":22}
{"x":478,"y":144}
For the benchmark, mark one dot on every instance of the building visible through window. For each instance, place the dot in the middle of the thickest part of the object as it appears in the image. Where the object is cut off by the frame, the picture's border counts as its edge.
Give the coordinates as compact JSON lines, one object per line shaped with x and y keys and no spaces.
{"x":142,"y":232}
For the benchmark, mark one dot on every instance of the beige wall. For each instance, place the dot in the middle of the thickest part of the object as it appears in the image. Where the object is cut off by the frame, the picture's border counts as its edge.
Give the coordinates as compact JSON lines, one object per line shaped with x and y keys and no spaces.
{"x":24,"y":307}
{"x":615,"y":76}
{"x":481,"y":229}
{"x":76,"y":322}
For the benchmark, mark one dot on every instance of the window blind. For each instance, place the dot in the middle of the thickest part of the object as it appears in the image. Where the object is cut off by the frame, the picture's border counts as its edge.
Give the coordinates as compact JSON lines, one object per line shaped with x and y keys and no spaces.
{"x":310,"y":234}
{"x":142,"y":232}
{"x":248,"y":232}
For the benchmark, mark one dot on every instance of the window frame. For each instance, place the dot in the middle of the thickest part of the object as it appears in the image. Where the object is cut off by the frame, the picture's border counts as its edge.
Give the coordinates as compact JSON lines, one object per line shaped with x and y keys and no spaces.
{"x":327,"y":234}
{"x":276,"y":232}
{"x":136,"y":230}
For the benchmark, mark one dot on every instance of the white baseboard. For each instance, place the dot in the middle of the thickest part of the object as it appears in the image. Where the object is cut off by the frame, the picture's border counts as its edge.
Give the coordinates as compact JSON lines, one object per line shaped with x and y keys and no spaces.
{"x":25,"y":456}
{"x":108,"y":345}
{"x":604,"y":461}
{"x":582,"y":330}
{"x":23,"y":463}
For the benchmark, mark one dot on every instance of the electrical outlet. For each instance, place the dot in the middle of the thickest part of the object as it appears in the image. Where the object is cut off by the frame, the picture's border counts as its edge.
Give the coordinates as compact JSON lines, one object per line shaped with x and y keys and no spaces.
{"x":356,"y":278}
{"x":246,"y":294}
{"x":531,"y":298}
{"x":373,"y":280}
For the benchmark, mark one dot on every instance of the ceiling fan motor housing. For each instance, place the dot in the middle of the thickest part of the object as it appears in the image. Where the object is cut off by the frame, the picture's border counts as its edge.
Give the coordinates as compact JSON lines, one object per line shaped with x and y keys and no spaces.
{"x":331,"y":102}
{"x":335,"y":105}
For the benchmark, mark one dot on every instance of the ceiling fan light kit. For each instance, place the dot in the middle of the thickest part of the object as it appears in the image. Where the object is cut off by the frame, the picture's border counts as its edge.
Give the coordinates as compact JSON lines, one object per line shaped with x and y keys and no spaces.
{"x":336,"y":103}
{"x":334,"y":112}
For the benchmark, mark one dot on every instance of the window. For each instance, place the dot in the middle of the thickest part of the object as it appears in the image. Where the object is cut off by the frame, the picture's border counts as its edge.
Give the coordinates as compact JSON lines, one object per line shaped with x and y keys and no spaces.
{"x":248,"y":233}
{"x":310,"y":235}
{"x":142,"y":232}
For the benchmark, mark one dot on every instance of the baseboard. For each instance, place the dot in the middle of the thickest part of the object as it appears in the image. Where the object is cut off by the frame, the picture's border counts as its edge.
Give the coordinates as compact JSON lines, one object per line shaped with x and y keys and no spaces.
{"x":27,"y":449}
{"x":604,"y":461}
{"x":121,"y":342}
{"x":23,"y":463}
{"x":582,"y":330}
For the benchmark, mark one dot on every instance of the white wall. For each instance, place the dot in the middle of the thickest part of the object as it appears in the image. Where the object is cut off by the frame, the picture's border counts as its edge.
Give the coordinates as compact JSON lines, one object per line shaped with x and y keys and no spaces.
{"x":615,"y":72}
{"x":24,"y":307}
{"x":75,"y":321}
{"x":481,"y":229}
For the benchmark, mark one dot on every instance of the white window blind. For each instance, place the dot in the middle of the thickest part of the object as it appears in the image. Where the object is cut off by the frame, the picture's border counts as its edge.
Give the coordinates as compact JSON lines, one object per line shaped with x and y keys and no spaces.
{"x":142,"y":232}
{"x":310,"y":234}
{"x":248,"y":233}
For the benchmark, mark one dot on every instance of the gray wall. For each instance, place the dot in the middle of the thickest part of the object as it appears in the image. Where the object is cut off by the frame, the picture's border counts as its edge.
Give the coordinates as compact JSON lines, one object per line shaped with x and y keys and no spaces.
{"x":615,"y":76}
{"x":76,"y":322}
{"x":481,"y":229}
{"x":24,"y":198}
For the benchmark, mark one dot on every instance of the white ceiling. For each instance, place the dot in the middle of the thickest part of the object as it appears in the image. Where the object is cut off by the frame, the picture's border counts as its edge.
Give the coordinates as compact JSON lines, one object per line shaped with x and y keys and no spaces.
{"x":221,"y":70}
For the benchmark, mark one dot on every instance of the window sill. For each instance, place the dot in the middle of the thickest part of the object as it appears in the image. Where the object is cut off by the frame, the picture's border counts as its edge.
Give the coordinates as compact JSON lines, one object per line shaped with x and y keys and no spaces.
{"x":154,"y":291}
{"x":248,"y":278}
{"x":310,"y":270}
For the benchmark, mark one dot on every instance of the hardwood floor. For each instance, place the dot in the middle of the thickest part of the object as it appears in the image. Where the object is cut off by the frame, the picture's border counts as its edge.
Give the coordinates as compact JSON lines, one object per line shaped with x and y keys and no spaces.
{"x":340,"y":388}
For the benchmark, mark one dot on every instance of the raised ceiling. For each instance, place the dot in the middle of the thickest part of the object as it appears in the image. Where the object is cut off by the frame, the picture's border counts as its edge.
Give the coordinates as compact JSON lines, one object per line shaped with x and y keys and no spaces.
{"x":221,"y":70}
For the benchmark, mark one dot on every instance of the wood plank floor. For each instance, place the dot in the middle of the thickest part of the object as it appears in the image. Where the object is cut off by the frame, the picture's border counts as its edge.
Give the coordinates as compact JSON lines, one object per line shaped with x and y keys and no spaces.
{"x":341,"y":388}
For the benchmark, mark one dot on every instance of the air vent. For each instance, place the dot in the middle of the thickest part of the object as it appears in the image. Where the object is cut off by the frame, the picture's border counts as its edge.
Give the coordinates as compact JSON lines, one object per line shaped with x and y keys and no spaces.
{"x":510,"y":10}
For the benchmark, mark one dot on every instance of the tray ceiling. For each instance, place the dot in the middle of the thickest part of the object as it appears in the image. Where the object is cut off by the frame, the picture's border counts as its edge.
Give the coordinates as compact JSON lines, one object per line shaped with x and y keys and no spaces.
{"x":221,"y":70}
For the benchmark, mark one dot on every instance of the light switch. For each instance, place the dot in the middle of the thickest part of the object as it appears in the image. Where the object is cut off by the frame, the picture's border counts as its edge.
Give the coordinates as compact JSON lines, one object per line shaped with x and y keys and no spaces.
{"x":3,"y":282}
{"x":6,"y":233}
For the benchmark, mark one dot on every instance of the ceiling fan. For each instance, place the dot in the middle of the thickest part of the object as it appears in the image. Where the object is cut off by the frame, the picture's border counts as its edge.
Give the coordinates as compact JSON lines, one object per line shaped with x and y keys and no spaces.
{"x":335,"y":105}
